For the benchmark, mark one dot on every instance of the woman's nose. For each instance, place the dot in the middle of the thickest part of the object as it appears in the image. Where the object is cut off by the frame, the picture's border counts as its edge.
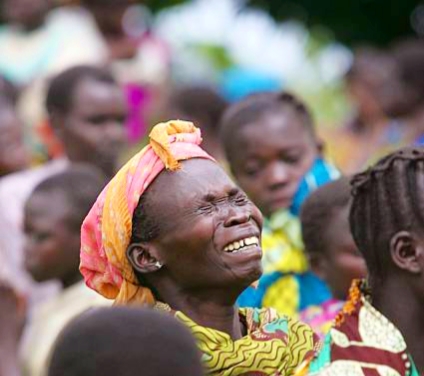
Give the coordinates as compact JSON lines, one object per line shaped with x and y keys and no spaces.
{"x":237,"y":216}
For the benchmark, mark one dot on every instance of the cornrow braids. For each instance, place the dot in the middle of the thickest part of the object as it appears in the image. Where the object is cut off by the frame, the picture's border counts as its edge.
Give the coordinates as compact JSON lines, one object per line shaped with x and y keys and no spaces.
{"x":254,"y":107}
{"x":387,"y":198}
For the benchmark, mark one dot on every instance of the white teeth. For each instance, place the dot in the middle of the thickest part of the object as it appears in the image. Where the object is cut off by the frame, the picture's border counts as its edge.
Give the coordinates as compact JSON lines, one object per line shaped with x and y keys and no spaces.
{"x":235,"y":246}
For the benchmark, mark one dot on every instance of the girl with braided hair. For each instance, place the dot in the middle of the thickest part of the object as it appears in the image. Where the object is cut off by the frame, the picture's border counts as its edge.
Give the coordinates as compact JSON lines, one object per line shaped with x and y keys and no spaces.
{"x":380,"y":330}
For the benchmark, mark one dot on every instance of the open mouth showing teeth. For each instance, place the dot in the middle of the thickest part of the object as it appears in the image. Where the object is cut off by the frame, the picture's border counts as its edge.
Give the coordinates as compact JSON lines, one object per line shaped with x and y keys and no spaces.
{"x":241,"y":245}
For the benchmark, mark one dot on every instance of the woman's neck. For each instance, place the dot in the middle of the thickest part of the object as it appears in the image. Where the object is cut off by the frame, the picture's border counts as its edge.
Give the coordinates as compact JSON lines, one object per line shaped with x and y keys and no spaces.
{"x":391,"y":302}
{"x":208,"y":309}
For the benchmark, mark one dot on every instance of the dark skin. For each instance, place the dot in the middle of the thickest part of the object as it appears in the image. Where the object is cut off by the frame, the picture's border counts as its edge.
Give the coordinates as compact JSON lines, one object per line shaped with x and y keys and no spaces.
{"x":30,"y":14}
{"x":92,"y":131}
{"x":12,"y":319}
{"x":108,"y":16}
{"x":200,"y":211}
{"x":271,"y":156}
{"x":52,"y":242}
{"x":341,"y":261}
{"x":405,"y":281}
{"x":13,"y":153}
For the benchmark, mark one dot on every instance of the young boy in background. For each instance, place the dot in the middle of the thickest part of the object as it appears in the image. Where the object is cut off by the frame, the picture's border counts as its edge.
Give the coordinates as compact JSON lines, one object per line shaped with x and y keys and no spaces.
{"x":52,"y":219}
{"x":332,"y":252}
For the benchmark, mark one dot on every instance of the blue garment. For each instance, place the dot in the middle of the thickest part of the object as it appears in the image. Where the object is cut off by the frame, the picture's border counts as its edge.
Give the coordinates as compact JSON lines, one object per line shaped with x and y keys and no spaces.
{"x":321,"y":173}
{"x":312,"y":290}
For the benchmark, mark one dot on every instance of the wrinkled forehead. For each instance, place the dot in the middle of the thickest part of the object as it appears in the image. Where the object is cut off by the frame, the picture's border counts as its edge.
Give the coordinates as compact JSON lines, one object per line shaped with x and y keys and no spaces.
{"x":196,"y":177}
{"x":198,"y":180}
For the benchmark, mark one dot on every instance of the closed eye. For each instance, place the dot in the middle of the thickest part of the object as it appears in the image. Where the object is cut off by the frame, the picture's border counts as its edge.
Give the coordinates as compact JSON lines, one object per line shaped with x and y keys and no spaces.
{"x":206,"y":209}
{"x":241,"y":200}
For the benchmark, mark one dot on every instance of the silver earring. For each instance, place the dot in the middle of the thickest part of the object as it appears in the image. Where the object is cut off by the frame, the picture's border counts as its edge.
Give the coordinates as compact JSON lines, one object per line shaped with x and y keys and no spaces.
{"x":158,"y":264}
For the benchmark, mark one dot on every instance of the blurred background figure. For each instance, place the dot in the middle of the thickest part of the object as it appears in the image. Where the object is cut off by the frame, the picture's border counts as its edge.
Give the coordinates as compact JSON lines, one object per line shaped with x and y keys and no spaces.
{"x":14,"y":155}
{"x":373,"y":88}
{"x":331,"y":250}
{"x":53,"y":217}
{"x":12,"y":320}
{"x":37,"y":40}
{"x":385,"y":87}
{"x":203,"y":106}
{"x":125,"y":341}
{"x":137,"y":57}
{"x":409,"y":55}
{"x":87,"y":111}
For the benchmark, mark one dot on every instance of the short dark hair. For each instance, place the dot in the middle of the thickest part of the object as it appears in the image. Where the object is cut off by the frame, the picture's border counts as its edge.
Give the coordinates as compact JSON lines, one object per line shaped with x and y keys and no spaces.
{"x":387,"y":198}
{"x":254,"y":107}
{"x":62,"y":87}
{"x":123,"y":341}
{"x":201,"y":102}
{"x":81,"y":185}
{"x":318,"y":212}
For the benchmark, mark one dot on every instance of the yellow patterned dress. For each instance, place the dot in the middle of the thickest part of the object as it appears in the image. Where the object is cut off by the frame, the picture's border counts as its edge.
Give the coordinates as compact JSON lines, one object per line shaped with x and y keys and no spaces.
{"x":287,"y":284}
{"x":274,"y":345}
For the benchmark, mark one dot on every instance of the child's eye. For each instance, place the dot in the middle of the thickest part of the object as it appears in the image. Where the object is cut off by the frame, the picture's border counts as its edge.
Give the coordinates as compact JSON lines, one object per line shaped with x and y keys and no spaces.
{"x":292,"y":158}
{"x":252,"y":169}
{"x":41,"y":236}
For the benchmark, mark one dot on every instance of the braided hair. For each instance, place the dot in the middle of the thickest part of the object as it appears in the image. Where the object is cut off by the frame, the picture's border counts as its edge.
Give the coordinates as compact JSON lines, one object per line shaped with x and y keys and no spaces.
{"x":387,"y":198}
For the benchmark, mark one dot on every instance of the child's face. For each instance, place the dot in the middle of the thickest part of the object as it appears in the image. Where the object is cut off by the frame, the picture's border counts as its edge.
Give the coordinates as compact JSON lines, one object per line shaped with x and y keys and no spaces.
{"x":341,"y":261}
{"x":270,"y":158}
{"x":51,"y":246}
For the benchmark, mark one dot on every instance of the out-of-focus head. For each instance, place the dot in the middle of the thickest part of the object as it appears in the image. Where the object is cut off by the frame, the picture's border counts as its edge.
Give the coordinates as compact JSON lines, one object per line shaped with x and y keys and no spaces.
{"x":203,"y":106}
{"x":374,"y":85}
{"x":126,"y":342}
{"x":87,"y":110}
{"x":109,"y":14}
{"x":270,"y":143}
{"x":52,"y":220}
{"x":387,"y":220}
{"x":409,"y":56}
{"x":328,"y":241}
{"x":13,"y":153}
{"x":29,"y":14}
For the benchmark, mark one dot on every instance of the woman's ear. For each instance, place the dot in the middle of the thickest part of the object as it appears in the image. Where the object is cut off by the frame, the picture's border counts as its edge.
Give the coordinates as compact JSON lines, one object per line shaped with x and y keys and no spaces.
{"x":406,"y":252}
{"x":141,"y":258}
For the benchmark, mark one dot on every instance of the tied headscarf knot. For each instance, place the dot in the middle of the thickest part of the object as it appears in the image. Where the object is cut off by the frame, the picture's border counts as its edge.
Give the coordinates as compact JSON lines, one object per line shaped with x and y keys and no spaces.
{"x":106,"y":231}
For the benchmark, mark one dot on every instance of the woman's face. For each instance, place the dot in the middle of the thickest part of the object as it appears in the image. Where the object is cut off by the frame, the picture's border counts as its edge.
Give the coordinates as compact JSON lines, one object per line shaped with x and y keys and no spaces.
{"x":210,"y":230}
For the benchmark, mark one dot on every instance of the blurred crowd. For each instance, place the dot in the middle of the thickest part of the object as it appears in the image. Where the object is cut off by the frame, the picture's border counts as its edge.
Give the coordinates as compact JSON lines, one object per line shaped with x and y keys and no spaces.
{"x":81,"y":86}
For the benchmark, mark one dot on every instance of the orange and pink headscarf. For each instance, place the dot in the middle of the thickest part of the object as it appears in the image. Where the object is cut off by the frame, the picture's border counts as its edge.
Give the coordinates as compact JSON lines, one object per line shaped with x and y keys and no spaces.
{"x":106,"y":231}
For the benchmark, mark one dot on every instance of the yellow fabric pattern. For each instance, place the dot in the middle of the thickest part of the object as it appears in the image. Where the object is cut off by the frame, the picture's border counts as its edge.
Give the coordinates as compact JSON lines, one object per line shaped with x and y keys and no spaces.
{"x":275,"y":345}
{"x":283,"y":295}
